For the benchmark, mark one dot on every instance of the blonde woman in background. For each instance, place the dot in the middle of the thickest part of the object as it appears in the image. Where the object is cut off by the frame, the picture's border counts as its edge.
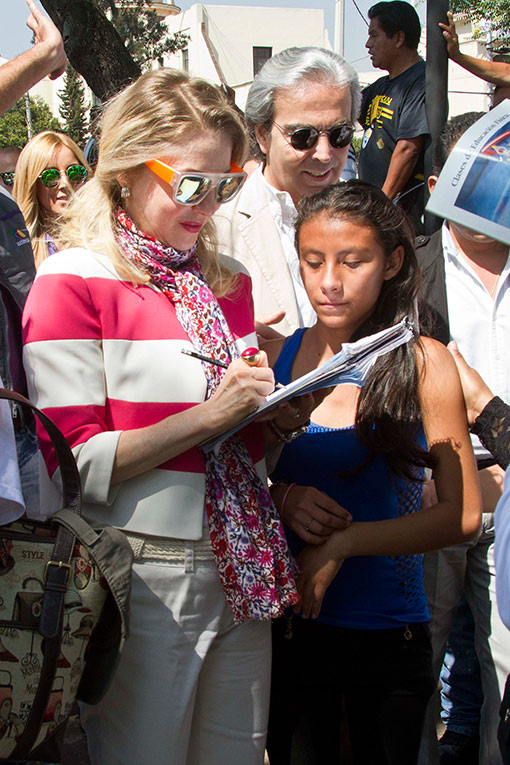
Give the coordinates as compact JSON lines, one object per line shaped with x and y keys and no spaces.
{"x":50,"y":169}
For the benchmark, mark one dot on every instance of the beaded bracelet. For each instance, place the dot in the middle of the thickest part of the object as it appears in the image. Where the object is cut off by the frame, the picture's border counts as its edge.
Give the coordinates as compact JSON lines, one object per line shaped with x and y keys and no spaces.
{"x":289,"y":436}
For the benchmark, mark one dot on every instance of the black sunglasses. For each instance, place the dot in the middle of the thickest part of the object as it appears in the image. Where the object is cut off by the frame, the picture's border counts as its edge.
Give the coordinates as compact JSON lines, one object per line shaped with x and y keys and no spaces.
{"x":51,"y":176}
{"x":305,"y":138}
{"x":7,"y":177}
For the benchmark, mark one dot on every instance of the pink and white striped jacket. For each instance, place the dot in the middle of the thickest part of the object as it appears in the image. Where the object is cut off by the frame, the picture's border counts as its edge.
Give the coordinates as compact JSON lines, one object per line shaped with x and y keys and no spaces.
{"x":103,"y":356}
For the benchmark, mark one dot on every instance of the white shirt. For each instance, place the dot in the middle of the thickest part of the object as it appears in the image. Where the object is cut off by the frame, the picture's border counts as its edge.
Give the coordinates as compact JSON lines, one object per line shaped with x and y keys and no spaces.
{"x":479,"y":322}
{"x":11,"y":498}
{"x":284,"y":214}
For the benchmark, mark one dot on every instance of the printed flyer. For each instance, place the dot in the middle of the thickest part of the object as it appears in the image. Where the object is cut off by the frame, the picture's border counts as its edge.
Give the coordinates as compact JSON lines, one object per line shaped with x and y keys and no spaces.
{"x":473,"y":188}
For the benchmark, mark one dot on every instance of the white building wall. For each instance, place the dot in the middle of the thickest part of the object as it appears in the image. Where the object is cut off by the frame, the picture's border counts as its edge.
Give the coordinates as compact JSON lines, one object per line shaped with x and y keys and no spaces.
{"x":233,"y":31}
{"x":48,"y":90}
{"x":200,"y":61}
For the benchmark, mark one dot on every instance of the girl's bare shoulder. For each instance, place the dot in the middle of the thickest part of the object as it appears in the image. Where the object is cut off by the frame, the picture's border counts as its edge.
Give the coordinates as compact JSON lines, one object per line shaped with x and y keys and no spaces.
{"x":430,"y":351}
{"x":438,"y":374}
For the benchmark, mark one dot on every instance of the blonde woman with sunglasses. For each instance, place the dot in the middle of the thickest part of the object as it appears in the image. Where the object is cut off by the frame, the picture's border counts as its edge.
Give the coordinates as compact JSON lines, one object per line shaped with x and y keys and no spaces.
{"x":50,"y":169}
{"x":106,"y":324}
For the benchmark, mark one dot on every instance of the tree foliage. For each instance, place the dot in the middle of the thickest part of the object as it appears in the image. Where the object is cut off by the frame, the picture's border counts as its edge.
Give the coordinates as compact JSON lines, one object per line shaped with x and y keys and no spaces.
{"x":72,"y":109}
{"x":488,"y":14}
{"x":142,"y":31}
{"x":13,"y":125}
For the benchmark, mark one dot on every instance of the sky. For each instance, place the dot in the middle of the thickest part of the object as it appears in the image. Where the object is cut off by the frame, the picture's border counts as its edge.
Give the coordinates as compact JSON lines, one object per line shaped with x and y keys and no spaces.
{"x":16,"y":37}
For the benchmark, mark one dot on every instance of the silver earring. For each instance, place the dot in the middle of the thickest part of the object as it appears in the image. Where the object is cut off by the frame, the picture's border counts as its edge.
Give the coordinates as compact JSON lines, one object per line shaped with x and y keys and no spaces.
{"x":124,"y":192}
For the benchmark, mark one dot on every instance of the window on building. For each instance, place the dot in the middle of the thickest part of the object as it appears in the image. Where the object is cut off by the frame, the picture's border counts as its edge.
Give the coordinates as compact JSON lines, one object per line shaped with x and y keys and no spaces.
{"x":185,"y":59}
{"x":260,"y":55}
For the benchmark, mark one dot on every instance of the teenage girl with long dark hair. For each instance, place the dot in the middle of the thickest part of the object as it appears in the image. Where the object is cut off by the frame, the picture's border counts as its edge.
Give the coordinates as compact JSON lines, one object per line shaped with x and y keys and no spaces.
{"x":366,"y":451}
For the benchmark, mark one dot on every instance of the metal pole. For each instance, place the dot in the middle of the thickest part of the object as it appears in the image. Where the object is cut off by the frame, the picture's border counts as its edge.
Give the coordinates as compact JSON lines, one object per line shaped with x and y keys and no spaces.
{"x":28,"y":113}
{"x":436,"y":89}
{"x":339,"y":26}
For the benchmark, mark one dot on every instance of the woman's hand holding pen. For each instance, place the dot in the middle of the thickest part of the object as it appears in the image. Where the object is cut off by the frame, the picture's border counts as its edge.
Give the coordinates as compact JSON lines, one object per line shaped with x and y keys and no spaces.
{"x":310,"y":513}
{"x":242,"y":389}
{"x":288,"y":416}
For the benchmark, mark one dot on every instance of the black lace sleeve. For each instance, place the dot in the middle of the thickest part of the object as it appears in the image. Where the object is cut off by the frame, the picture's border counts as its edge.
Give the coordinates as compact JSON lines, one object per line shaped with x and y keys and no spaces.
{"x":492,"y":427}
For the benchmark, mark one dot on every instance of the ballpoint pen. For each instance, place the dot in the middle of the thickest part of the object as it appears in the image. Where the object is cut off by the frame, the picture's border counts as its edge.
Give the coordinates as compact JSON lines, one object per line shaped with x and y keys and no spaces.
{"x":249,"y":356}
{"x":201,"y":357}
{"x":217,"y":363}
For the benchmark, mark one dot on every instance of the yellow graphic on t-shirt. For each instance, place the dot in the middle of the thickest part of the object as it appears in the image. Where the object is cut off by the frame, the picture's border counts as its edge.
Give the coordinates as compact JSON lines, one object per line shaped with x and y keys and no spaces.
{"x":379,"y":109}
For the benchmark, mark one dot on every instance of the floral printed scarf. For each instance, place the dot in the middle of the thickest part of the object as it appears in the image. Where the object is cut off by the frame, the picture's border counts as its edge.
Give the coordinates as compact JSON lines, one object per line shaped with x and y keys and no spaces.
{"x":247,"y":537}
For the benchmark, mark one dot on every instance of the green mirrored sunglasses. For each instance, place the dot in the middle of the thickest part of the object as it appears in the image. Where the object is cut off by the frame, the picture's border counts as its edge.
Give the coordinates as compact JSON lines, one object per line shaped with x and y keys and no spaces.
{"x":51,"y":176}
{"x":7,"y":177}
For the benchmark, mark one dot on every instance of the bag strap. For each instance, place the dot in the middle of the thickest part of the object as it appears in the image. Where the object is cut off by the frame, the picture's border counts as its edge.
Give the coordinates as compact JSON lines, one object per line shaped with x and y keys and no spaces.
{"x":113,"y":556}
{"x":58,"y":569}
{"x":71,"y":486}
{"x":55,"y":577}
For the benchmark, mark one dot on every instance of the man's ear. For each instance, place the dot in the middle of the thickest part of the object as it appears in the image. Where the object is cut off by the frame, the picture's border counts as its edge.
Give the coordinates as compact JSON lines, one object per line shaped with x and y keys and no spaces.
{"x":263,"y":138}
{"x":400,"y":38}
{"x":394,"y":262}
{"x":432,"y":180}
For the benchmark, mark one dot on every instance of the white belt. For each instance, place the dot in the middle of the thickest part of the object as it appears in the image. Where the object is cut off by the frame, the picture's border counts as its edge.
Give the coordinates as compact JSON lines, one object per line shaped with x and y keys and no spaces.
{"x":169,"y":550}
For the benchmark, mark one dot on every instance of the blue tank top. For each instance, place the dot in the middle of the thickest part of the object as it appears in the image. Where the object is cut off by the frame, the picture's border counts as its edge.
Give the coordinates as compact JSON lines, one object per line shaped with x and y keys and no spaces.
{"x":369,"y":592}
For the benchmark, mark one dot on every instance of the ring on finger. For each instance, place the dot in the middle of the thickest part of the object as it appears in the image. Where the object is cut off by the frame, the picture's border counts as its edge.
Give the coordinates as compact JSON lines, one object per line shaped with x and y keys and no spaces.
{"x":307,"y":527}
{"x":251,"y":356}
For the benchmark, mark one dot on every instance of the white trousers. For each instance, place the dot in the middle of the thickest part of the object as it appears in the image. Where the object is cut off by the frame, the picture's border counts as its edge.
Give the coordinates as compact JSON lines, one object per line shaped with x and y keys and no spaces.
{"x":191,"y":688}
{"x":469,"y":568}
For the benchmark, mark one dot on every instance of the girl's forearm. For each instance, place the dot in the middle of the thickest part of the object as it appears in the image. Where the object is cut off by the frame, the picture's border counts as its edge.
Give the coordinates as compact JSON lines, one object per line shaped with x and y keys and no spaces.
{"x":438,"y":526}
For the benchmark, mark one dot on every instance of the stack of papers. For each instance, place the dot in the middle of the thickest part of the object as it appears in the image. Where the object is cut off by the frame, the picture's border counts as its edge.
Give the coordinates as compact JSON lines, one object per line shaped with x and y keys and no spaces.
{"x":350,"y":365}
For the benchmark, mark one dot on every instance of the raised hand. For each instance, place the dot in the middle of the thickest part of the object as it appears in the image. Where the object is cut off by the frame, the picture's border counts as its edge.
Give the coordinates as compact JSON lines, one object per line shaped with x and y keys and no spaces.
{"x":451,"y":37}
{"x":47,"y":36}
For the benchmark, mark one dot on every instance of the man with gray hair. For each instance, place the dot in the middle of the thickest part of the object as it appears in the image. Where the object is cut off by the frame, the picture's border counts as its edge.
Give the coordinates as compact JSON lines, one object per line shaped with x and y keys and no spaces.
{"x":300,"y":115}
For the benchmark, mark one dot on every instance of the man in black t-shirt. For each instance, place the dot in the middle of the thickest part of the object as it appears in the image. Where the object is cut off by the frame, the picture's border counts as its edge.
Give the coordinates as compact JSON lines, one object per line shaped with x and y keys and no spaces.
{"x":393,"y":108}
